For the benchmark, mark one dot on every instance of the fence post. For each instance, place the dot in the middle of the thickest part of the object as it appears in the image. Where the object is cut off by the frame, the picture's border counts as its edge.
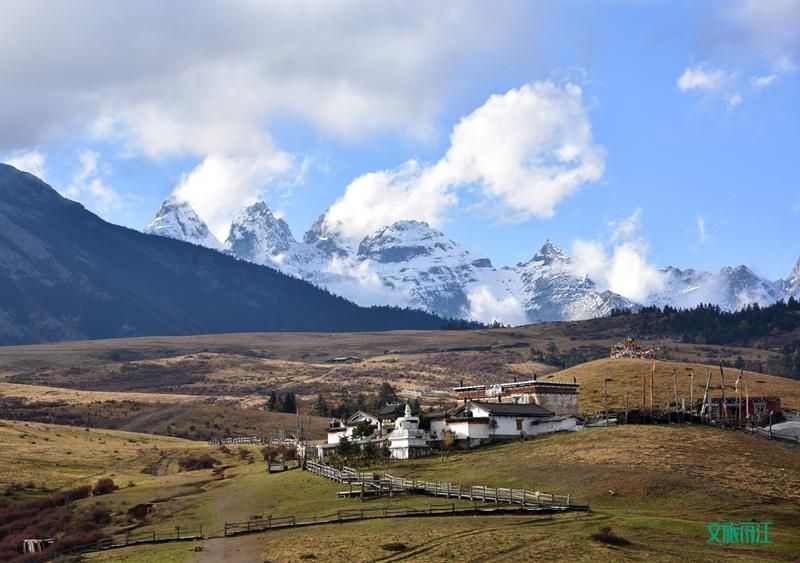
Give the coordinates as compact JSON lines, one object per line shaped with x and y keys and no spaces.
{"x":177,"y":532}
{"x":154,"y":535}
{"x":568,"y":500}
{"x":127,"y":535}
{"x":269,"y":521}
{"x":225,"y":531}
{"x":524,"y":496}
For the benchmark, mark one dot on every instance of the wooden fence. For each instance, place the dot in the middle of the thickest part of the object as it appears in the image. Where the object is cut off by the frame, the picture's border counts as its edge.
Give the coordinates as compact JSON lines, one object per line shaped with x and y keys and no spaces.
{"x":178,"y":533}
{"x":296,"y":521}
{"x":380,"y":484}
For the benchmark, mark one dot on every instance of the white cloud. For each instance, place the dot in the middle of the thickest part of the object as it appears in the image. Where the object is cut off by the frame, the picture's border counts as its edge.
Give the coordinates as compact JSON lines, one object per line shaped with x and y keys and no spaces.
{"x":88,"y":187}
{"x":205,"y":77}
{"x":358,"y":281}
{"x":768,"y":27}
{"x":522,"y":152}
{"x":701,"y":230}
{"x":222,"y":185}
{"x":734,"y":100}
{"x":698,"y":78}
{"x":620,"y":264}
{"x":32,"y":161}
{"x":715,"y":83}
{"x":484,"y":306}
{"x":760,"y":82}
{"x":628,"y":227}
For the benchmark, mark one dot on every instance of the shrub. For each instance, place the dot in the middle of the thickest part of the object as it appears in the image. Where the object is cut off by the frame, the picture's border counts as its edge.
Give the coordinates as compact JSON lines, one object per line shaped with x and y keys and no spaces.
{"x":605,"y":535}
{"x":104,"y":486}
{"x":194,"y":462}
{"x":100,"y":514}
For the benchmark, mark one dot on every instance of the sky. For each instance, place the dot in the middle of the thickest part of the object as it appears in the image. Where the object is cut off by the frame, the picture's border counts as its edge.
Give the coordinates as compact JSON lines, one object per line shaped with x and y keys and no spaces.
{"x":636,"y":135}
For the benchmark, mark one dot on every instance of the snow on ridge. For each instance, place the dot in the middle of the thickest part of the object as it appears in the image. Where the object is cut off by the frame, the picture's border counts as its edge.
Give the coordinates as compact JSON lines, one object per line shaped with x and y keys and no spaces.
{"x":409,"y":263}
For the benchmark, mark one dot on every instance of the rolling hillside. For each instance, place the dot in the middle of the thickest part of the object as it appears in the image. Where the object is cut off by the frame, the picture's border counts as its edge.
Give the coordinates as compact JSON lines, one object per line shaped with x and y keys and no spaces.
{"x":625,"y":377}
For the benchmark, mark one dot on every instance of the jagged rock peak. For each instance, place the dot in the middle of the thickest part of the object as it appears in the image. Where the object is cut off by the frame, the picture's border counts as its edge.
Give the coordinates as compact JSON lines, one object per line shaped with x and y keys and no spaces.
{"x":257,"y":228}
{"x":326,"y":239}
{"x":177,"y":219}
{"x":550,"y":253}
{"x":406,"y":240}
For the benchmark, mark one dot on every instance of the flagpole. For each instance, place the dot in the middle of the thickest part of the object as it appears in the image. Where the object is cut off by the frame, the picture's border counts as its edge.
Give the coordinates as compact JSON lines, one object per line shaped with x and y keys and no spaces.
{"x":652,"y":377}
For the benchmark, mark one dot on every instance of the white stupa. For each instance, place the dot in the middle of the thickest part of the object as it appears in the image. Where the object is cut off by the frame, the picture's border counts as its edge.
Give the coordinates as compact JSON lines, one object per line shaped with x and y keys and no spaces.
{"x":407,"y":439}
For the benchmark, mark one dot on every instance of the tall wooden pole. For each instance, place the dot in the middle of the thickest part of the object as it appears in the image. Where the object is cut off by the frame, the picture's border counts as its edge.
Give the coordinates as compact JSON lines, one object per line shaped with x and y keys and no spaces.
{"x":626,"y":408}
{"x":652,"y":377}
{"x":741,"y":384}
{"x":605,"y":398}
{"x":706,"y":408}
{"x":722,"y":387}
{"x":691,"y":395}
{"x":675,"y":389}
{"x":644,"y":383}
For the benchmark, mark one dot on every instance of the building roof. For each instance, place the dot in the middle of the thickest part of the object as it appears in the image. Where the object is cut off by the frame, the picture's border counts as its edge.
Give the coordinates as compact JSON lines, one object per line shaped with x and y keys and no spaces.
{"x":513,"y":409}
{"x":513,"y":384}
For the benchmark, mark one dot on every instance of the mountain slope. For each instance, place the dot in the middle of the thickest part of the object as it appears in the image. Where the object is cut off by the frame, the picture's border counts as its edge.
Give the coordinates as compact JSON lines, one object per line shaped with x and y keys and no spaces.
{"x":67,"y":274}
{"x":434,"y":271}
{"x":257,"y":236}
{"x":732,"y":288}
{"x":178,"y":220}
{"x":549,"y":289}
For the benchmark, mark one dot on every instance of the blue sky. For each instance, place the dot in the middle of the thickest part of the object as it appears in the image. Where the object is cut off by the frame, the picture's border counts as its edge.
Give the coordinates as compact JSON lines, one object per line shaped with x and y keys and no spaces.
{"x":693,"y":106}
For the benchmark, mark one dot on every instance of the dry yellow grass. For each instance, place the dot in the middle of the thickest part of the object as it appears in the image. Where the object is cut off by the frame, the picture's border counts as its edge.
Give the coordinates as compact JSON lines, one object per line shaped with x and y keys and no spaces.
{"x":62,"y":456}
{"x":626,"y":374}
{"x":78,"y":397}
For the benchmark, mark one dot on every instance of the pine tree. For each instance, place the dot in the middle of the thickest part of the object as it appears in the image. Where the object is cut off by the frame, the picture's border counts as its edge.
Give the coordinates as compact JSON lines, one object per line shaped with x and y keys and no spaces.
{"x":272,"y":402}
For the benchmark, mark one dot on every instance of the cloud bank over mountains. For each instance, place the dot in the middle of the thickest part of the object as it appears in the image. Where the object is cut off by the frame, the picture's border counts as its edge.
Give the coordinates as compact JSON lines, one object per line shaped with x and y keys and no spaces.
{"x":523,"y":152}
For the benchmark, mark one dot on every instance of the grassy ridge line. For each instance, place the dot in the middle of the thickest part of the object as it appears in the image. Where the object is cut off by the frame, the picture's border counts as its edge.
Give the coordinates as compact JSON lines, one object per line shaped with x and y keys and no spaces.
{"x":626,"y":374}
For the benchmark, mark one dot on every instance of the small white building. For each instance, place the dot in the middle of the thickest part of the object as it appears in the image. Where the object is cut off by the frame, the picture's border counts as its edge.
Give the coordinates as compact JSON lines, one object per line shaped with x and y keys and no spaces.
{"x":407,"y":440}
{"x":478,"y":422}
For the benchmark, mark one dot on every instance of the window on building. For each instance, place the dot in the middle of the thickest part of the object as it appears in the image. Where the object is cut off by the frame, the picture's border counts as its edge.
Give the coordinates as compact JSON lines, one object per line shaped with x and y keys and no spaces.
{"x":519,"y":424}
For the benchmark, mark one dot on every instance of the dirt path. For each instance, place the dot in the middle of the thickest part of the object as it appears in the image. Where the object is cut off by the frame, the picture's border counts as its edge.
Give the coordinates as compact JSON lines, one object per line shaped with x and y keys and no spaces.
{"x":164,"y":416}
{"x":244,"y":548}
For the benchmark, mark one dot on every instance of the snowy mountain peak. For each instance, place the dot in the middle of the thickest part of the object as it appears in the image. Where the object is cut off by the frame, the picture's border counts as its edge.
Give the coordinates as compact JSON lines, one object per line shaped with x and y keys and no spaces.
{"x":549,"y":254}
{"x":257,"y":235}
{"x":406,"y":240}
{"x":326,"y":239}
{"x":792,"y":284}
{"x":256,"y":230}
{"x":177,"y":219}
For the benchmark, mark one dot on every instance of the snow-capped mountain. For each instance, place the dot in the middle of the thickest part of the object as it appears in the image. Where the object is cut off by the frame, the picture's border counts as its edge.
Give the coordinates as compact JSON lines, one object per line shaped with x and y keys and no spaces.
{"x":791,"y":285}
{"x":256,"y":235}
{"x":414,"y":265}
{"x":177,"y":219}
{"x":550,"y":289}
{"x":422,"y":262}
{"x":732,"y":288}
{"x":325,"y":239}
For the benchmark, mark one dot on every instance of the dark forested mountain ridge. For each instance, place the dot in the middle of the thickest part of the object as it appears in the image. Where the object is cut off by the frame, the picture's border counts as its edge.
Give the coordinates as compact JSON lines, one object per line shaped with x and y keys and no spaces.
{"x":67,"y":274}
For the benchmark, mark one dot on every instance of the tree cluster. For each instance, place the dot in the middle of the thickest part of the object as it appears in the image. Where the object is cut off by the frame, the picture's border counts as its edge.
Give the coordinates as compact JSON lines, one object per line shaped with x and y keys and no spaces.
{"x":282,"y":403}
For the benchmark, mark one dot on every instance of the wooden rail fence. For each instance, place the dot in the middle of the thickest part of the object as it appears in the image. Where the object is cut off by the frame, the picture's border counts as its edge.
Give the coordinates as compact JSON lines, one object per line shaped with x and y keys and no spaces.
{"x":178,"y":533}
{"x":380,"y":484}
{"x":296,"y":521}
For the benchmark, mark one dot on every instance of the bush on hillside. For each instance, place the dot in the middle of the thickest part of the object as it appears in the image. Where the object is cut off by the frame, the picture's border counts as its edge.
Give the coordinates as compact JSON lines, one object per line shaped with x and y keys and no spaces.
{"x":193,"y":462}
